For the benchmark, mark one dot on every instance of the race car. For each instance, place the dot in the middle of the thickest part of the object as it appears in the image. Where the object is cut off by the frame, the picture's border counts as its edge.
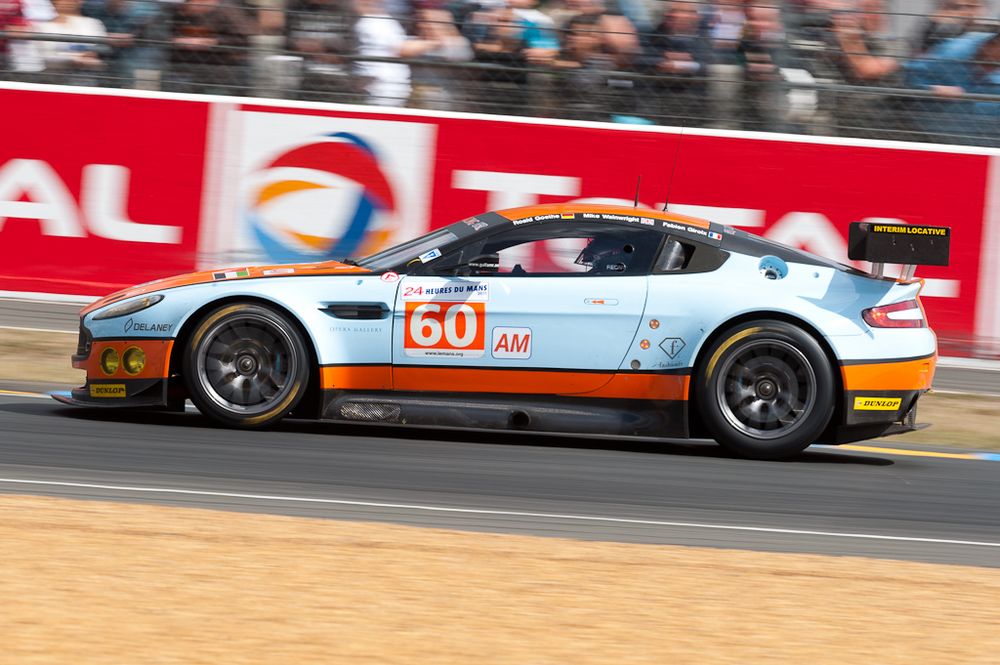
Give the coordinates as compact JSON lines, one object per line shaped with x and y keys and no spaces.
{"x":568,"y":318}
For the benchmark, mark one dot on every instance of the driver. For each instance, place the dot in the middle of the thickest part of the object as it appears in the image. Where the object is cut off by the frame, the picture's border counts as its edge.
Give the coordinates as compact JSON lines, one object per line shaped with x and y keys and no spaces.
{"x":606,"y":255}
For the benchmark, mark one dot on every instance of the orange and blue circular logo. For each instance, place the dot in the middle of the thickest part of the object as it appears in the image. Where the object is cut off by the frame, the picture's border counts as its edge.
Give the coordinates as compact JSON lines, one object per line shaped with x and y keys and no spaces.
{"x":321,"y":201}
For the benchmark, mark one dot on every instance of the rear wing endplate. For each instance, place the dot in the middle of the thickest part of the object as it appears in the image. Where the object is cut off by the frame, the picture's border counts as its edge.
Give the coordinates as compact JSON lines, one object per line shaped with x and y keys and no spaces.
{"x":906,"y":244}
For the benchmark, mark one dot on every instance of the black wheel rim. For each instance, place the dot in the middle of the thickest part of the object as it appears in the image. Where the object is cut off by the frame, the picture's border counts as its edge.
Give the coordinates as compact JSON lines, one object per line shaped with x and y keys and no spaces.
{"x":246,"y":364}
{"x":767,"y":389}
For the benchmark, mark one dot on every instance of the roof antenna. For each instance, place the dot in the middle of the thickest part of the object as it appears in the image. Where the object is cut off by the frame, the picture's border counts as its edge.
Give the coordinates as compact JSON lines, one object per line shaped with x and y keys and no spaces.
{"x":673,"y":169}
{"x":637,"y":183}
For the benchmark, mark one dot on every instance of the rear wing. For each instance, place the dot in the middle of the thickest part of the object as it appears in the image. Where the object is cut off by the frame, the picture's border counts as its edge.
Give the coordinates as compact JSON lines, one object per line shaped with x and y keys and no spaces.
{"x":907,"y":244}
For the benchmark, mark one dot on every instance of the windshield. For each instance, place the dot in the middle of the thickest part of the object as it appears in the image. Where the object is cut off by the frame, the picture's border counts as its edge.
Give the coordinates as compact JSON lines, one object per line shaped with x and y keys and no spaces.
{"x":424,"y":248}
{"x":402,"y":255}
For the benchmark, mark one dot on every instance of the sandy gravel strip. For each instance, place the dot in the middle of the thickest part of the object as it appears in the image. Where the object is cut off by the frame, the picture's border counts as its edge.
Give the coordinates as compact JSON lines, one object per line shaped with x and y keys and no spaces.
{"x":97,"y":582}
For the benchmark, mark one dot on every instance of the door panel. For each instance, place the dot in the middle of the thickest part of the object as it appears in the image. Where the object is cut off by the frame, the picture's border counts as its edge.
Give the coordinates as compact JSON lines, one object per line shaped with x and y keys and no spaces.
{"x":353,"y":331}
{"x":455,"y":333}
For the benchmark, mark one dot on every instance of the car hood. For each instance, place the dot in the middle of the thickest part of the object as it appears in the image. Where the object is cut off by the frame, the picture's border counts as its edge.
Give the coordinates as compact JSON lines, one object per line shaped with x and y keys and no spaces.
{"x":227,"y":274}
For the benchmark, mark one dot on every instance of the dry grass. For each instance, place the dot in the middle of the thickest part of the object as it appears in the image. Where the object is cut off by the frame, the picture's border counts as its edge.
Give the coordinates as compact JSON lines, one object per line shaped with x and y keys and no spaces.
{"x":958,"y":420}
{"x":92,"y":582}
{"x":38,"y":356}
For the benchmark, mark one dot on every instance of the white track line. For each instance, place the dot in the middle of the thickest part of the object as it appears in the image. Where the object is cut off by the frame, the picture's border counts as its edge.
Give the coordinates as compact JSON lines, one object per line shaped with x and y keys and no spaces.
{"x":964,"y":394}
{"x":188,"y":406}
{"x":48,"y":298}
{"x":21,"y":393}
{"x":982,"y":364}
{"x":41,"y":330}
{"x":499,"y":513}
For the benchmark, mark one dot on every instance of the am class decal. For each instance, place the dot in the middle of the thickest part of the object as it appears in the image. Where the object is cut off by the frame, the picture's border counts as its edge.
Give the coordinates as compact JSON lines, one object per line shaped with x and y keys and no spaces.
{"x":512,"y":343}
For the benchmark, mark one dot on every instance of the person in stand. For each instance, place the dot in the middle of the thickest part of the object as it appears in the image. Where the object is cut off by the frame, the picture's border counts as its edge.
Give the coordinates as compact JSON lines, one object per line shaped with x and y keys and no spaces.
{"x":724,"y":20}
{"x":73,"y":62}
{"x":677,"y":52}
{"x":867,"y":58}
{"x":322,"y":31}
{"x":584,"y":84}
{"x":11,"y":20}
{"x":950,"y":71}
{"x":434,"y":86}
{"x":135,"y":33}
{"x":765,"y":104}
{"x":617,"y":35}
{"x":208,"y":43}
{"x":951,"y":18}
{"x":385,"y":80}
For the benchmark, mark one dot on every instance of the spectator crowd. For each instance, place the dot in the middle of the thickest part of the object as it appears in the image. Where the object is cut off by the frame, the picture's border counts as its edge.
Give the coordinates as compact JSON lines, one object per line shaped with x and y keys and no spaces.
{"x":811,"y":66}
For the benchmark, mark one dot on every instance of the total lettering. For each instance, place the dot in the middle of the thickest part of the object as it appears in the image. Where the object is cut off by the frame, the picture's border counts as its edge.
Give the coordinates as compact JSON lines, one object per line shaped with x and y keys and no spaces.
{"x":30,"y":189}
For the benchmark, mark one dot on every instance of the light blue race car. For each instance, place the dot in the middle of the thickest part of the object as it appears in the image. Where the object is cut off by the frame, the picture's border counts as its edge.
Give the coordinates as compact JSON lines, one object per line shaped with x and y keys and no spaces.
{"x":570,"y":318}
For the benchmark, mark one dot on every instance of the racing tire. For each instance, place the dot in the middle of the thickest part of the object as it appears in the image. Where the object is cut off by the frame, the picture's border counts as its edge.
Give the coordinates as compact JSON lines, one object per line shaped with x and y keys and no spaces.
{"x":766,"y":390}
{"x":246,"y":366}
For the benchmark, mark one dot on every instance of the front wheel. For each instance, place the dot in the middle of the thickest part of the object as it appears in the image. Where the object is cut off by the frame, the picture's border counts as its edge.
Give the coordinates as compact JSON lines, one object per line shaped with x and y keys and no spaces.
{"x":246,"y":366}
{"x":766,"y":390}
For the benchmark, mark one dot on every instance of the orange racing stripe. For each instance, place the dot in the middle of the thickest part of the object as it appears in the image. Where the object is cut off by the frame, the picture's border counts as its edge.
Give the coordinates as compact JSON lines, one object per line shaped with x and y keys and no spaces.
{"x":356,"y":377}
{"x":607,"y":385}
{"x":905,"y":375}
{"x":557,"y":208}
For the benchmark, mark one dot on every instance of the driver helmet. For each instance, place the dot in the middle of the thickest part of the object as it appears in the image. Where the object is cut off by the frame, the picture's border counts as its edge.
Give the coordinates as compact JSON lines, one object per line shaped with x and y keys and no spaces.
{"x":602,"y":253}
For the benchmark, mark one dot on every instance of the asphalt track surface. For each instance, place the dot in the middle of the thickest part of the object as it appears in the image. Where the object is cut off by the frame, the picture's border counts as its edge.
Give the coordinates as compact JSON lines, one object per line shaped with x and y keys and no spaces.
{"x":826,"y":501}
{"x":899,"y":504}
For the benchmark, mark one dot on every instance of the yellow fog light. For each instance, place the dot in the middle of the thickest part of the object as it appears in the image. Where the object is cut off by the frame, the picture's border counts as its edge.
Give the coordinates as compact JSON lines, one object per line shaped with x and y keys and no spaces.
{"x":133,"y":360}
{"x":109,"y":361}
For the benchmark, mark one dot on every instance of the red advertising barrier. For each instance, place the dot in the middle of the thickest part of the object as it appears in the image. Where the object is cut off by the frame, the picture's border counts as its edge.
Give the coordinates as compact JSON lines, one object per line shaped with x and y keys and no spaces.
{"x":97,"y":192}
{"x":139,"y":184}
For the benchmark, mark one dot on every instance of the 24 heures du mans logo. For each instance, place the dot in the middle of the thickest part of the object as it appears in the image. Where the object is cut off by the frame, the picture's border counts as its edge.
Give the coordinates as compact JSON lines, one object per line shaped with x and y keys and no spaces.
{"x":138,"y":326}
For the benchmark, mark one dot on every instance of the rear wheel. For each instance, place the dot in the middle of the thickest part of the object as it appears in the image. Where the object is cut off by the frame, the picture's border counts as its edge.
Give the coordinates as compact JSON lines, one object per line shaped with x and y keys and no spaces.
{"x":766,"y":390}
{"x":246,"y":366}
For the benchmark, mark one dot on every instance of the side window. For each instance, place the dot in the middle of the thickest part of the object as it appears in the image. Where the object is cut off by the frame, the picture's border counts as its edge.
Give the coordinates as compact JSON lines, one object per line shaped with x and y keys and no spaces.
{"x":685,"y":256}
{"x":673,"y":257}
{"x":552,"y":256}
{"x":570,"y":249}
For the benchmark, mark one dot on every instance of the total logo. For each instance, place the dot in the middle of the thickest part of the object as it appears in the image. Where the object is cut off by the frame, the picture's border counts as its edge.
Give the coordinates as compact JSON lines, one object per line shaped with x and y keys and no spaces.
{"x":321,"y":201}
{"x":138,"y":326}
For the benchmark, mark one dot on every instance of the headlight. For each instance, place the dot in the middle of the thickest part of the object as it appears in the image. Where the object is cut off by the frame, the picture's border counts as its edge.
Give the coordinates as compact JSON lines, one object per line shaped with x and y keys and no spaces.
{"x":130,"y":307}
{"x":133,"y":360}
{"x":109,"y":361}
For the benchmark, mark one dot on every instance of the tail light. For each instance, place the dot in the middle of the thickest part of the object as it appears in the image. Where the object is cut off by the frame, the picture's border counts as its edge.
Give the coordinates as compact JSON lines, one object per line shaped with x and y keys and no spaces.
{"x":906,"y":314}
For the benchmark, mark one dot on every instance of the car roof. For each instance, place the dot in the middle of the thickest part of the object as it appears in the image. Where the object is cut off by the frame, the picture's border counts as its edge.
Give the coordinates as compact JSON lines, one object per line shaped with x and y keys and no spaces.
{"x":684,"y":226}
{"x":536,"y":211}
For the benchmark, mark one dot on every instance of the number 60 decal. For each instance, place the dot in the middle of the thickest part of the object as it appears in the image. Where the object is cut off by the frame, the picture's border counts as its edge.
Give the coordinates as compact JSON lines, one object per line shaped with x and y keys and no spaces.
{"x":445,"y":329}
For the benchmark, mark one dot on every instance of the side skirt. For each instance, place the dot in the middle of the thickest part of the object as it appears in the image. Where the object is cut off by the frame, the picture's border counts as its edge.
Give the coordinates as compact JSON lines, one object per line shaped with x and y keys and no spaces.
{"x":536,"y":413}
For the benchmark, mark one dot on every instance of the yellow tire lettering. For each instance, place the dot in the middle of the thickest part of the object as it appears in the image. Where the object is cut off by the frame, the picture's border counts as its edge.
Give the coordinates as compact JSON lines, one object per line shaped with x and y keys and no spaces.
{"x":728,"y":343}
